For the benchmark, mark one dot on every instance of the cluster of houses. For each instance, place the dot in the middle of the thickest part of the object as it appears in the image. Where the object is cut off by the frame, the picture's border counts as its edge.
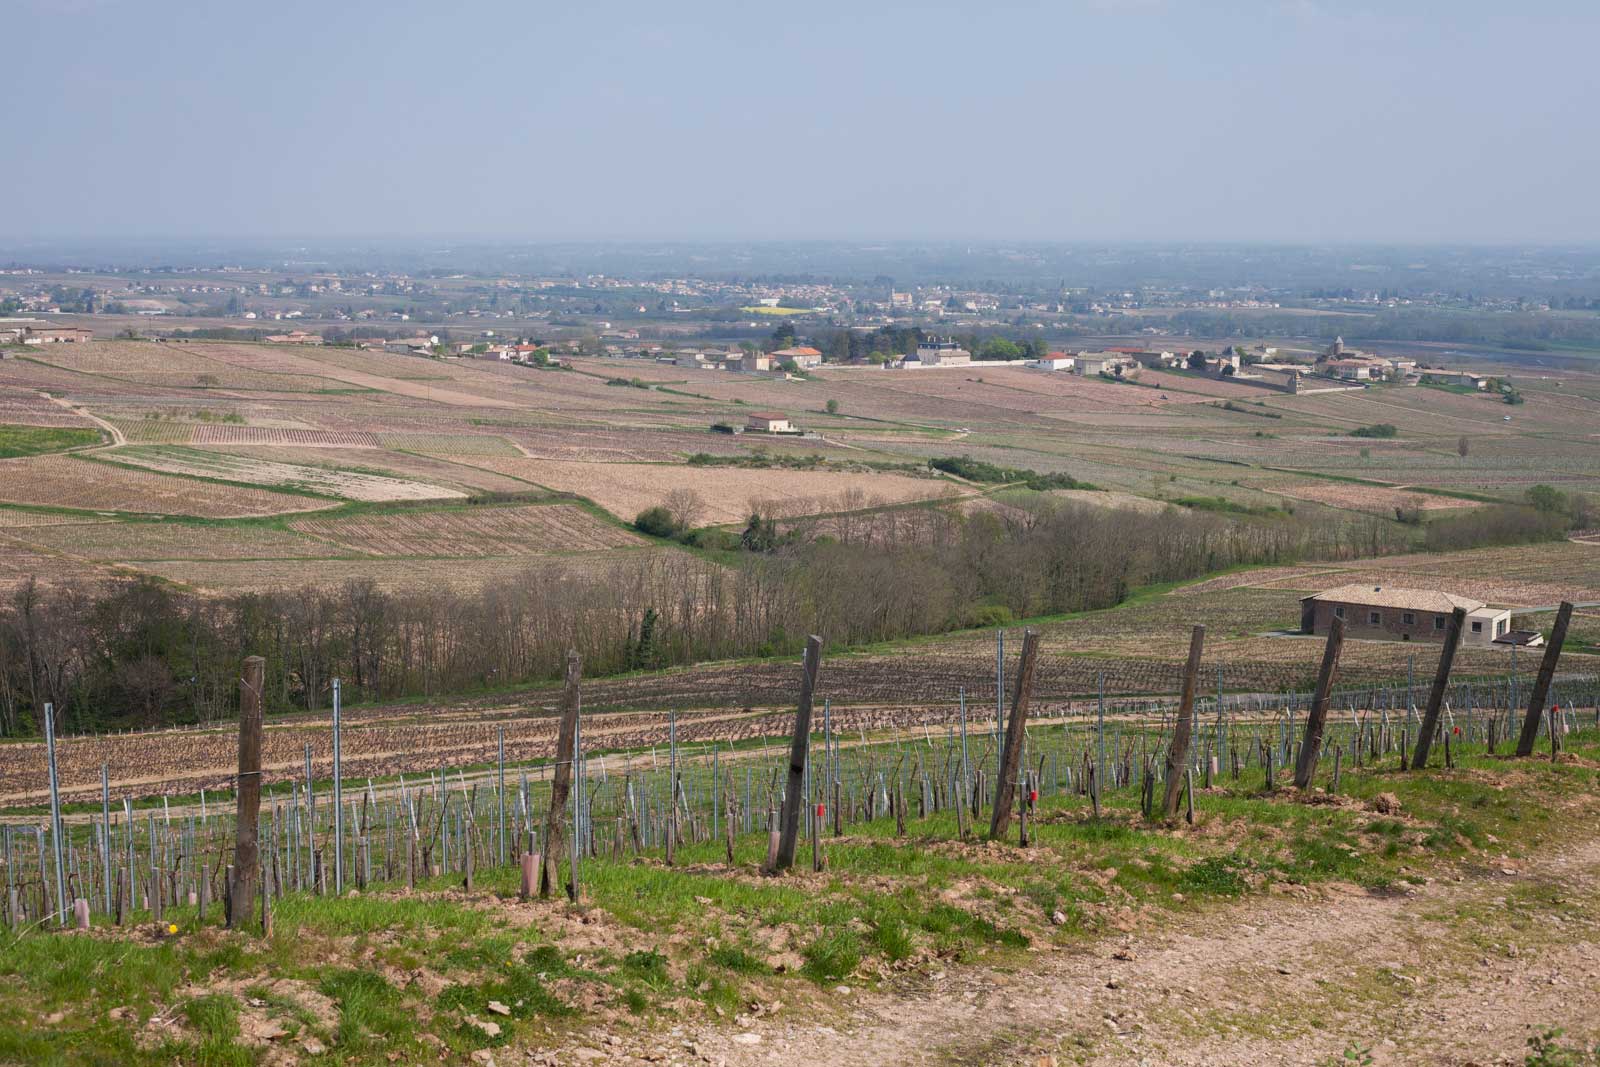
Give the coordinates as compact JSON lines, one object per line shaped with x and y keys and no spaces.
{"x":800,"y":357}
{"x":295,"y":337}
{"x":38,"y":332}
{"x":1354,"y":366}
{"x":1337,"y":361}
{"x":1125,"y":362}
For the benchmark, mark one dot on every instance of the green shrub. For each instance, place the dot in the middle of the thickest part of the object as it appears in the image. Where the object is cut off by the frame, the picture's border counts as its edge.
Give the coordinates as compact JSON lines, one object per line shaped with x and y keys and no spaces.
{"x":657,"y":522}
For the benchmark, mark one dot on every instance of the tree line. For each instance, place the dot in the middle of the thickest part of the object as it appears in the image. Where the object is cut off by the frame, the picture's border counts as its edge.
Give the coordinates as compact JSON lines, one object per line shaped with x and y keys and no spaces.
{"x":137,"y":652}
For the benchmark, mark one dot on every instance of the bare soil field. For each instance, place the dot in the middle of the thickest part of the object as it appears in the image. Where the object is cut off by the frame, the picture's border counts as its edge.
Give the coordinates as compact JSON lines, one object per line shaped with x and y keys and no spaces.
{"x":1521,"y":576}
{"x":348,"y":485}
{"x":71,"y":482}
{"x":486,"y":531}
{"x":188,"y":367}
{"x":1210,"y":387}
{"x":299,"y":364}
{"x":625,"y":489}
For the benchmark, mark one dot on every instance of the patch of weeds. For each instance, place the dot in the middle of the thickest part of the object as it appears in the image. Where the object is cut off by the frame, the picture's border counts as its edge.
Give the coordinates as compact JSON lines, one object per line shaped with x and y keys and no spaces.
{"x":713,"y":989}
{"x":216,"y":1019}
{"x":832,"y":956}
{"x":1450,"y":831}
{"x":891,"y":938}
{"x":737,"y":960}
{"x":1354,"y":1055}
{"x":649,"y":967}
{"x":1547,"y":1050}
{"x":1215,"y":875}
{"x":370,"y":1009}
{"x":522,"y":988}
{"x":476,"y":955}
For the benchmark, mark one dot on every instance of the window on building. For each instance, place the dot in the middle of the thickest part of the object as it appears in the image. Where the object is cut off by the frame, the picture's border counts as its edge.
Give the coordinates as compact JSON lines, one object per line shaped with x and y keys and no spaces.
{"x":1409,"y":619}
{"x":1477,"y":626}
{"x":1338,"y":612}
{"x":1438,"y":622}
{"x":1374,"y":618}
{"x":1500,"y":628}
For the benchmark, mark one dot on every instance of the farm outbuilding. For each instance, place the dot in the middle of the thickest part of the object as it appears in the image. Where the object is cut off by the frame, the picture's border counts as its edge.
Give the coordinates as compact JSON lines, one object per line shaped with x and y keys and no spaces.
{"x":769,"y":422}
{"x":1387,"y":613}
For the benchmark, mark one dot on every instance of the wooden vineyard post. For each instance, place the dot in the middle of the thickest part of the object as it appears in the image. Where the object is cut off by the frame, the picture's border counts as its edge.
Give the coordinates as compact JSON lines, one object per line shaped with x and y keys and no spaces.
{"x":789,"y":826}
{"x":1005,"y":785}
{"x":1311,"y":747}
{"x":1441,"y":679}
{"x":1541,"y":683}
{"x":246,"y":851}
{"x":1178,"y":753}
{"x":561,"y":783}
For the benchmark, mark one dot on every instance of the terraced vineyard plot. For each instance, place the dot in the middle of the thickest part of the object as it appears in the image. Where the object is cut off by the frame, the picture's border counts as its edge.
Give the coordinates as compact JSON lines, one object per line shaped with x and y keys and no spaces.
{"x":450,"y":444}
{"x":466,"y":575}
{"x":71,"y":482}
{"x":508,"y":531}
{"x":20,"y":561}
{"x":25,"y":407}
{"x":156,"y":431}
{"x":16,"y":519}
{"x":348,"y":485}
{"x":134,"y":541}
{"x":226,"y":434}
{"x":407,"y":466}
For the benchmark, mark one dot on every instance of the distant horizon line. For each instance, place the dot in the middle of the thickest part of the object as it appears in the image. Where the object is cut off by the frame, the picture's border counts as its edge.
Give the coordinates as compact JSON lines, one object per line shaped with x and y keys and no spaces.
{"x":478,"y":240}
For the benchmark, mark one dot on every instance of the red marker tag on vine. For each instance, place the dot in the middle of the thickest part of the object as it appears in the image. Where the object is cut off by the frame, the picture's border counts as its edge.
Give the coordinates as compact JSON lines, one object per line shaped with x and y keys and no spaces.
{"x":1033,"y":796}
{"x":820,"y":809}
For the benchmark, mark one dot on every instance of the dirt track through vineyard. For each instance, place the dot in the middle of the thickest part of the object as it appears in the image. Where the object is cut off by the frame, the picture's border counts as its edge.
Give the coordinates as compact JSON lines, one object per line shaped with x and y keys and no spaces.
{"x":1433,"y":976}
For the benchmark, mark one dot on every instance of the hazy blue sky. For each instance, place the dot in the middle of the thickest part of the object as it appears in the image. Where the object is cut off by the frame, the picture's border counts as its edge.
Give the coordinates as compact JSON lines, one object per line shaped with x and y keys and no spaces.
{"x":1307,"y":120}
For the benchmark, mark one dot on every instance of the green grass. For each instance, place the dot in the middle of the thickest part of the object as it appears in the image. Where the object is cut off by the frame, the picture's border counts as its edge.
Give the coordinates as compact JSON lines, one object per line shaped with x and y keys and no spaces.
{"x":18,"y":441}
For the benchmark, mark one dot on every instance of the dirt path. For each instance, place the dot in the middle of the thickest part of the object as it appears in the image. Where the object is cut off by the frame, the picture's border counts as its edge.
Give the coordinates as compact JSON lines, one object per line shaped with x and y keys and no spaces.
{"x":117,"y":437}
{"x":1454,"y":972}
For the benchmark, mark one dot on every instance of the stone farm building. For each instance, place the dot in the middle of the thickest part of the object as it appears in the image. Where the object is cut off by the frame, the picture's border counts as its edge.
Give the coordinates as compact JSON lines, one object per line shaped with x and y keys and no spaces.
{"x":804,"y":356}
{"x":56,"y":335}
{"x":1387,"y":613}
{"x":769,"y":422}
